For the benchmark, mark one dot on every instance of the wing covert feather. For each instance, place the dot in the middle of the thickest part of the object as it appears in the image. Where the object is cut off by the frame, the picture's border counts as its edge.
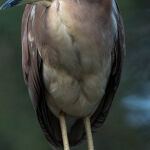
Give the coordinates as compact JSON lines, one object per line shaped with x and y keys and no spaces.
{"x":32,"y":70}
{"x":100,"y":115}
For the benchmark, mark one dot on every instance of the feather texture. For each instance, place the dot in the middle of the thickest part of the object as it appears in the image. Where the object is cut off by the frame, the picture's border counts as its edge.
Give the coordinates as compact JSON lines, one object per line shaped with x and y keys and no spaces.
{"x":32,"y":64}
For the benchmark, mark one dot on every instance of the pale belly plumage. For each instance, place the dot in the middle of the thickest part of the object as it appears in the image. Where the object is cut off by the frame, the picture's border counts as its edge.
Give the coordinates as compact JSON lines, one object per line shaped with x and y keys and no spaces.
{"x":74,"y":97}
{"x":77,"y":83}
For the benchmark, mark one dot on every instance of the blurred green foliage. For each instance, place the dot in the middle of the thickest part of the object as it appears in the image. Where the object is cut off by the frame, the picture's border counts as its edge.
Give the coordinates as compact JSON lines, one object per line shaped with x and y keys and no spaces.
{"x":19,"y":129}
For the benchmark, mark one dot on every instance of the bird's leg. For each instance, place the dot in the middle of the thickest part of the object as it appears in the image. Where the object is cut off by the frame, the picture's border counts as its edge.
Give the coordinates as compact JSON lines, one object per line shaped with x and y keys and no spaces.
{"x":64,"y":131}
{"x":88,"y":133}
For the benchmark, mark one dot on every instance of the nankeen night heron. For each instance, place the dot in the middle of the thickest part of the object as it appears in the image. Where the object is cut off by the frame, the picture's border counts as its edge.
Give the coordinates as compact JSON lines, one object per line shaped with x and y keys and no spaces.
{"x":72,"y":54}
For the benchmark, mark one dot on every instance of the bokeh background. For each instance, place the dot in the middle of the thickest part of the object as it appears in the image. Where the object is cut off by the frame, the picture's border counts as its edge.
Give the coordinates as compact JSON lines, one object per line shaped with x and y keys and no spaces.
{"x":128,"y":124}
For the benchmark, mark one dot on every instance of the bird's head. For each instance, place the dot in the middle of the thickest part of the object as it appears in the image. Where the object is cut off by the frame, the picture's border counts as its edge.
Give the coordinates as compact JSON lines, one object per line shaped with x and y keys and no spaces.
{"x":12,"y":3}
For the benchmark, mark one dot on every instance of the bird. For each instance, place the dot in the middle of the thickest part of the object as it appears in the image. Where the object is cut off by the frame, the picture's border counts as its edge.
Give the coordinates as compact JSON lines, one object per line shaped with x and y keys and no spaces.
{"x":72,"y":59}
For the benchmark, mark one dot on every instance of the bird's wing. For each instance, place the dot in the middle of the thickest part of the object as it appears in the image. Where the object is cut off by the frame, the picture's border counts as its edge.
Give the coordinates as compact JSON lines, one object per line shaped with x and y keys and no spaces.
{"x":98,"y":118}
{"x":32,"y":70}
{"x":100,"y":115}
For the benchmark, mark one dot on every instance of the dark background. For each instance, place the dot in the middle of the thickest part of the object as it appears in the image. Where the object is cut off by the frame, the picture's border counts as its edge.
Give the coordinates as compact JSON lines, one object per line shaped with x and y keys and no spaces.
{"x":128,"y":124}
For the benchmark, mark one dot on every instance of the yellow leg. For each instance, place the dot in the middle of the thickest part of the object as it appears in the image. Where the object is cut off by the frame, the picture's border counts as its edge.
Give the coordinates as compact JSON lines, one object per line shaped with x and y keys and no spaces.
{"x":64,"y":131}
{"x":88,"y":133}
